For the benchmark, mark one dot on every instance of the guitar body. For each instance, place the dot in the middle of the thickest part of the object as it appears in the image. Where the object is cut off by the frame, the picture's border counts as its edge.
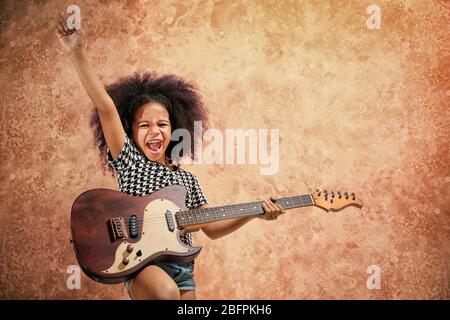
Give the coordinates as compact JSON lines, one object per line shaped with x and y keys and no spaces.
{"x":116,"y":235}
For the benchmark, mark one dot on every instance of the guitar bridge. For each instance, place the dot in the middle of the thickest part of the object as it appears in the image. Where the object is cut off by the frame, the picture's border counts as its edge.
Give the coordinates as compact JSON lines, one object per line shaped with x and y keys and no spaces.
{"x":118,"y":228}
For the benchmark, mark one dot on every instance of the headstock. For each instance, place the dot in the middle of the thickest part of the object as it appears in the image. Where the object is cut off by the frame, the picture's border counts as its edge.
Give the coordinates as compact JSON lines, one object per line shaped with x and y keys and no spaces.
{"x":335,"y":201}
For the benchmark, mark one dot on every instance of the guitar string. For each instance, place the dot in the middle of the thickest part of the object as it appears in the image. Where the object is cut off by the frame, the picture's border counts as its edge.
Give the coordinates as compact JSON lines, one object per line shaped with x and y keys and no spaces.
{"x":162,"y":221}
{"x":188,"y":215}
{"x":231,"y":211}
{"x":194,"y":218}
{"x":198,"y":218}
{"x":223,"y":210}
{"x":191,"y":216}
{"x":233,"y":207}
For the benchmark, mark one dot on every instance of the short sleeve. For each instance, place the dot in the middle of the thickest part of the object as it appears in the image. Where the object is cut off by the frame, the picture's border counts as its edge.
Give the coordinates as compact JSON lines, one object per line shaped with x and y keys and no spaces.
{"x":198,"y":198}
{"x":126,"y":157}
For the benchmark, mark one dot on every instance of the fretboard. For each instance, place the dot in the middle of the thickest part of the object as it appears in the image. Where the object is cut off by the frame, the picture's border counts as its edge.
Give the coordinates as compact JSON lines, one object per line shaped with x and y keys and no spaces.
{"x":206,"y":215}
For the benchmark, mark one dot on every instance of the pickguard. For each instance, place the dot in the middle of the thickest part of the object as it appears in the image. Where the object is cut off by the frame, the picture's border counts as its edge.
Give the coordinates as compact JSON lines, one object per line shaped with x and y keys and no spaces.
{"x":156,"y":237}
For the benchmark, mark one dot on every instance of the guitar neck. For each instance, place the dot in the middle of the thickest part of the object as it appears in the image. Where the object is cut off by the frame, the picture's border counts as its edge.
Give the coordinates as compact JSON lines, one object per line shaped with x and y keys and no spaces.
{"x":207,"y":215}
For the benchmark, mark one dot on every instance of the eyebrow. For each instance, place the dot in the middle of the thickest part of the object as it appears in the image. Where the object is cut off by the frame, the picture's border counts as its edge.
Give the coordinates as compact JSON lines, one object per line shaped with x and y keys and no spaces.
{"x":142,"y":121}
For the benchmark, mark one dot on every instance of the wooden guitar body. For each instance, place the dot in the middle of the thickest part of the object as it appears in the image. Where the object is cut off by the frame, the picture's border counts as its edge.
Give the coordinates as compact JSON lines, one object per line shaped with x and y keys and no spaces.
{"x":109,"y":256}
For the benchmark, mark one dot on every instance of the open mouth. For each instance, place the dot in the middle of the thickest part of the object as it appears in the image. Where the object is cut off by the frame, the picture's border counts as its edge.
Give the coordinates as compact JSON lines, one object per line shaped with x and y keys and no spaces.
{"x":154,"y":145}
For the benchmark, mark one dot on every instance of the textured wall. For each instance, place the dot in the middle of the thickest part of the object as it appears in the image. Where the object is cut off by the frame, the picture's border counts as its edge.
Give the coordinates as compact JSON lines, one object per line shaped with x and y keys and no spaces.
{"x":357,"y":109}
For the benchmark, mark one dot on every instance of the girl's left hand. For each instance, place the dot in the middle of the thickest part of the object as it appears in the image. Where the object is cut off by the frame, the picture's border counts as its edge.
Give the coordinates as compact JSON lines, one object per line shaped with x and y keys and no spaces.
{"x":272,"y":209}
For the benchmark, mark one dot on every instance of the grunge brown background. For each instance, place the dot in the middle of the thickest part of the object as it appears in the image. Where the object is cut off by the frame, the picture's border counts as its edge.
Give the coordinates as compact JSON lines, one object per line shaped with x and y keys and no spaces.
{"x":357,"y":109}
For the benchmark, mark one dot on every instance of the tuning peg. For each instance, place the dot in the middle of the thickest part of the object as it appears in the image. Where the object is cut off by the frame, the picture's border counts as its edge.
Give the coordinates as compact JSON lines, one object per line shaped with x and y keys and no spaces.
{"x":353,"y":195}
{"x":332,"y":194}
{"x":346,"y":194}
{"x":339,"y":194}
{"x":319,"y":192}
{"x":325,"y":191}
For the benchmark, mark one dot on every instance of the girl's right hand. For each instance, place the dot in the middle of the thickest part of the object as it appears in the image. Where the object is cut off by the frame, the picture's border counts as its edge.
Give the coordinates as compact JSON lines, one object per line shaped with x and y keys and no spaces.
{"x":71,"y":40}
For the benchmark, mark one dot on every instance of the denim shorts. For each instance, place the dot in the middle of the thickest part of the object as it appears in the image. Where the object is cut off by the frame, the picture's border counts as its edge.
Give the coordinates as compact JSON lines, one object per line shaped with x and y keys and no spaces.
{"x":181,"y":273}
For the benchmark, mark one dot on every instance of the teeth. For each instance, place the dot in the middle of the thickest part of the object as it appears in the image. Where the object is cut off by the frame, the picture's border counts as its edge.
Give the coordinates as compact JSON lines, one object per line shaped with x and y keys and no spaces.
{"x":154,"y":143}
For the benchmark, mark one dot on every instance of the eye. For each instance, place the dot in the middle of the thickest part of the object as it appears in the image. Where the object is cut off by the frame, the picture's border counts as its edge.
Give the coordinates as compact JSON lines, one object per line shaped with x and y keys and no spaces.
{"x":143,"y":126}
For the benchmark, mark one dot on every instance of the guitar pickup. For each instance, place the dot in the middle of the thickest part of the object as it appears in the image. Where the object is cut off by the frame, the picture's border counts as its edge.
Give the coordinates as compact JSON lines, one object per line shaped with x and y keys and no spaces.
{"x":118,"y":228}
{"x":133,"y":226}
{"x":169,"y":220}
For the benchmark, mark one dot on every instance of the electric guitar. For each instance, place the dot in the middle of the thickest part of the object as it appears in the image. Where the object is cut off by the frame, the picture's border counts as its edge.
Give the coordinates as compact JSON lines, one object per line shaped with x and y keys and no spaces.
{"x":116,"y":235}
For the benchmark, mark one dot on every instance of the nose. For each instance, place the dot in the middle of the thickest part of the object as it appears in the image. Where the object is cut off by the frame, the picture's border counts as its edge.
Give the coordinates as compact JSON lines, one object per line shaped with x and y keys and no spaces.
{"x":153,"y":130}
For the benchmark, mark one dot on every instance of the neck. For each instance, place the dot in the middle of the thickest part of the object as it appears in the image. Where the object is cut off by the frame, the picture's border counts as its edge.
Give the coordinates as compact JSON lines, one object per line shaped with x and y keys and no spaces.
{"x":207,"y":215}
{"x":168,"y":163}
{"x":164,"y":161}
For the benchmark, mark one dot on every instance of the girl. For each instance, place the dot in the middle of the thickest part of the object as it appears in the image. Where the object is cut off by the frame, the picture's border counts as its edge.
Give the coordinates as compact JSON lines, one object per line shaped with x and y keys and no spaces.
{"x":133,"y":121}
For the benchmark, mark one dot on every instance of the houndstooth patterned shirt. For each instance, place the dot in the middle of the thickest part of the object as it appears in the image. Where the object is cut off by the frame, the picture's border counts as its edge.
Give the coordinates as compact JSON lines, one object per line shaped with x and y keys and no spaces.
{"x":139,"y":176}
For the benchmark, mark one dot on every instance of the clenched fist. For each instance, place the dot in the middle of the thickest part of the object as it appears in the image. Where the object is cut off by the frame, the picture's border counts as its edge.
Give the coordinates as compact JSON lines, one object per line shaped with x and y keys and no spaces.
{"x":71,"y":39}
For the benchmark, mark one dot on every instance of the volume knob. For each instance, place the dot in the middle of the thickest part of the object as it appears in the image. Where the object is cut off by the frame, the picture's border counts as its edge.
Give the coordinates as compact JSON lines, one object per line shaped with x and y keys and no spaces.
{"x":130,"y":248}
{"x":125,"y":260}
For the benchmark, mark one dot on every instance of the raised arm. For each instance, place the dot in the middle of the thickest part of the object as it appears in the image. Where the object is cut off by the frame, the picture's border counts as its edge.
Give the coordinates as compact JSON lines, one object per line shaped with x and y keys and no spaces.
{"x":71,"y":41}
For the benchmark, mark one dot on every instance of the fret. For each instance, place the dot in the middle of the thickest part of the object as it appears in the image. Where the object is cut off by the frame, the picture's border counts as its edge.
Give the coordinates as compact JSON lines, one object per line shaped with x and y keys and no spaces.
{"x":196,"y":218}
